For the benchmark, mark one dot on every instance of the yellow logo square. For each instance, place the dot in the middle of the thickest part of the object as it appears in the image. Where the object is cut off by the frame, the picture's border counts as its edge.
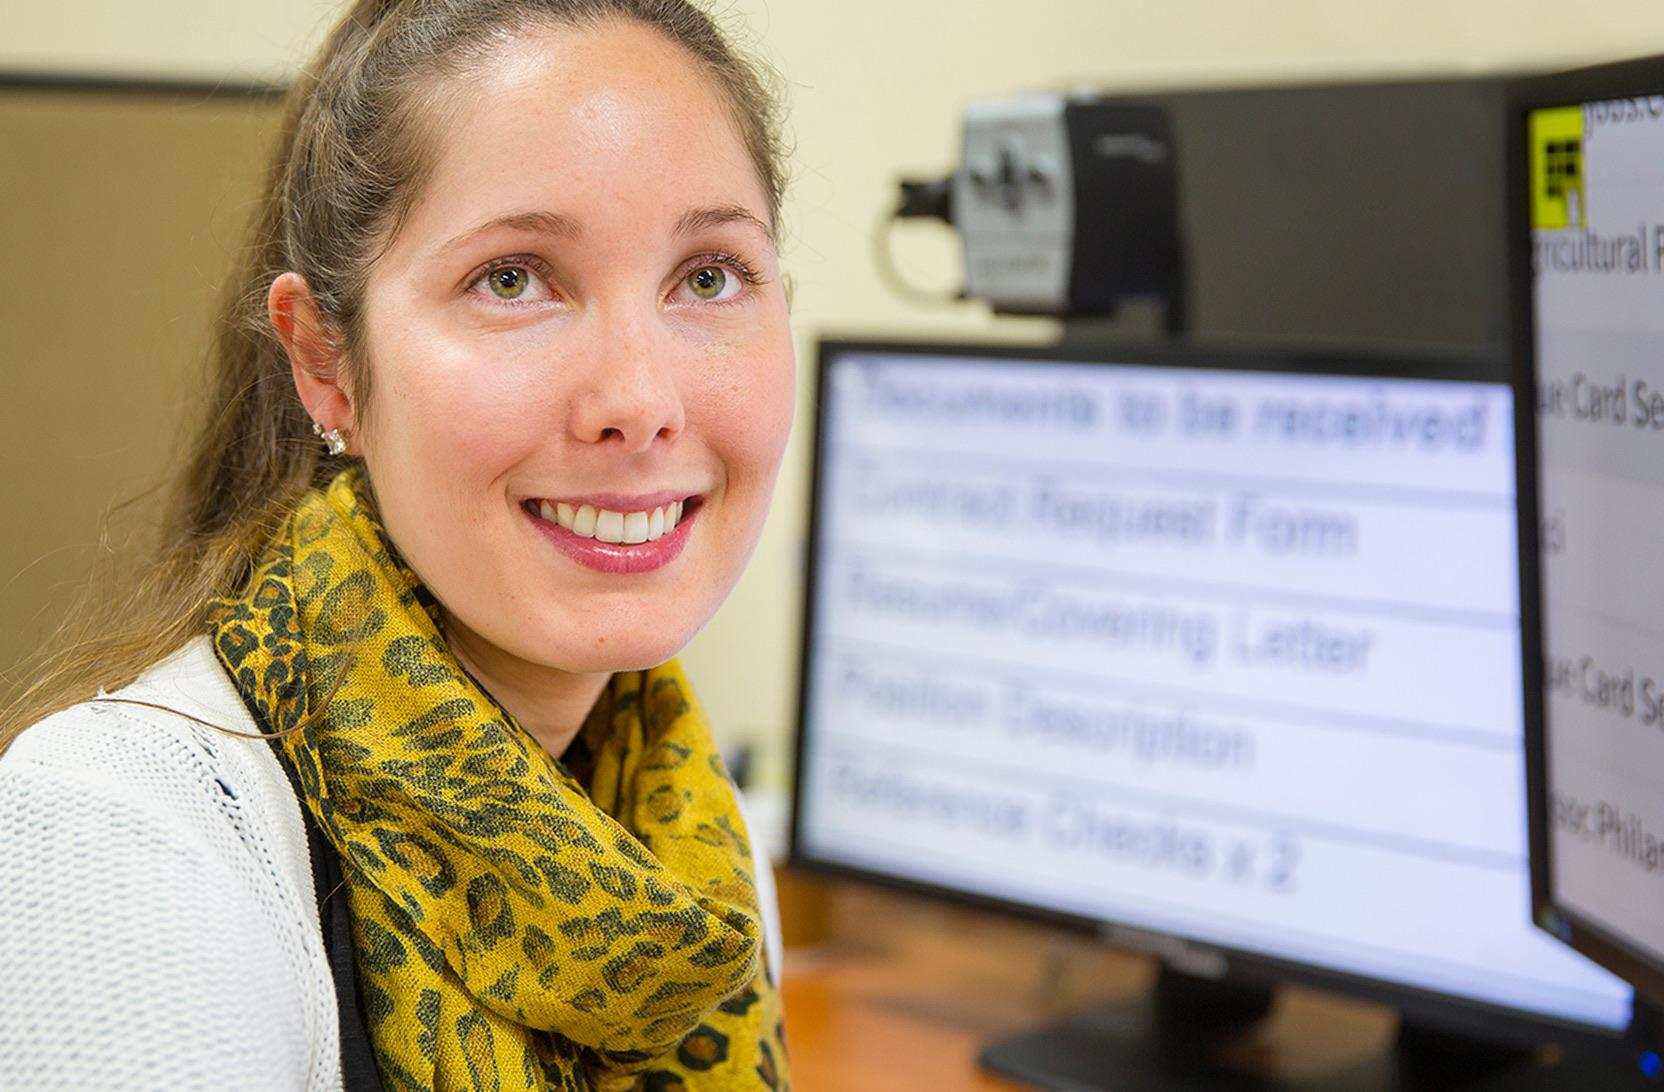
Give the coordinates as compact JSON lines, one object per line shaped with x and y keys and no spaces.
{"x":1558,"y":197}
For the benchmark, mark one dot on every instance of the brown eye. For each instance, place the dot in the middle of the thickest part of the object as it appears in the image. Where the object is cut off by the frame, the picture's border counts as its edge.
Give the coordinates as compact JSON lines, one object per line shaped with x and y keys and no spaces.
{"x":508,"y":283}
{"x":707,"y":282}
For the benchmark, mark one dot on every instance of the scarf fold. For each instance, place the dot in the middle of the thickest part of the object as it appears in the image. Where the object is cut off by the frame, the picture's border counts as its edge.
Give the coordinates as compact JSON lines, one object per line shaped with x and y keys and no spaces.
{"x":513,"y":927}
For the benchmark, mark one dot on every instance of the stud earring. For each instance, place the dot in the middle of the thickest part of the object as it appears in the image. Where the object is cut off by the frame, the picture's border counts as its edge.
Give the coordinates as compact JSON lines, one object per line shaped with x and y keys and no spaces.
{"x":332,"y":438}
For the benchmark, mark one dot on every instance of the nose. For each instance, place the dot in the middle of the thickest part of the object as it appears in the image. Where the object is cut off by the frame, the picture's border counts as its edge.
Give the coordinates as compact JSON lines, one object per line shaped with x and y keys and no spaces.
{"x":629,"y":397}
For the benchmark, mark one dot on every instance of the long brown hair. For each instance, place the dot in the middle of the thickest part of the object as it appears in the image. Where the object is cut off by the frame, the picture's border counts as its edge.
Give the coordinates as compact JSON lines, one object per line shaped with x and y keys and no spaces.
{"x":356,"y":142}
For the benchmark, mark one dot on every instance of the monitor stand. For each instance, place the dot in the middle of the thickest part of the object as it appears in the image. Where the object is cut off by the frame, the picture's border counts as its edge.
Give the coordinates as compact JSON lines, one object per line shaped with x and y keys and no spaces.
{"x":1177,"y":1037}
{"x":1166,"y":1040}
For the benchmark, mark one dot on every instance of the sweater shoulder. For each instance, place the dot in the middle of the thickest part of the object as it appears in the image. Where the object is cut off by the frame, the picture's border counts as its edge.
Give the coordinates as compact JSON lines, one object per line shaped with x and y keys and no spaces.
{"x":161,"y":922}
{"x":176,"y":748}
{"x":178,"y":741}
{"x":139,"y":756}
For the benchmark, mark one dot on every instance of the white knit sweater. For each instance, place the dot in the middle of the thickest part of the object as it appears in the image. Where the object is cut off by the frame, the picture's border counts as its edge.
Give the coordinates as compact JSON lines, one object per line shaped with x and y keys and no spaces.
{"x":158,"y":926}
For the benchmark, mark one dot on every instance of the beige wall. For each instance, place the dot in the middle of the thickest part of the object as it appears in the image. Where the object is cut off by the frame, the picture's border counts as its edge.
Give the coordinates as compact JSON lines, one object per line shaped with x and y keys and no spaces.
{"x":246,"y":40}
{"x":965,"y":47}
{"x":875,"y":88}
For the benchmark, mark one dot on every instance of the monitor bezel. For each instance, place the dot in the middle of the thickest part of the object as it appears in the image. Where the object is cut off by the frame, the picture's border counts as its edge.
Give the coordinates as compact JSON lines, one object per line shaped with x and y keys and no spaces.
{"x":1625,"y":79}
{"x":1452,"y":1012}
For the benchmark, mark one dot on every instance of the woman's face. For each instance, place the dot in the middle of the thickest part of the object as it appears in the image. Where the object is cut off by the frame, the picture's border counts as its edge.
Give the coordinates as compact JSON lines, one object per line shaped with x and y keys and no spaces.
{"x":577,"y":340}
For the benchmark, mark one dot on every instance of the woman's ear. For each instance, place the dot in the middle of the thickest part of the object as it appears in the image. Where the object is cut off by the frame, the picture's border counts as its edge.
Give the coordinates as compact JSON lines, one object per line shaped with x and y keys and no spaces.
{"x":315,"y":354}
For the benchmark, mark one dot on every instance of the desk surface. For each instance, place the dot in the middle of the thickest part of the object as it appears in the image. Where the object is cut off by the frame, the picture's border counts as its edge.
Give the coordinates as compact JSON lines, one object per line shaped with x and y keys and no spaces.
{"x":904,"y":992}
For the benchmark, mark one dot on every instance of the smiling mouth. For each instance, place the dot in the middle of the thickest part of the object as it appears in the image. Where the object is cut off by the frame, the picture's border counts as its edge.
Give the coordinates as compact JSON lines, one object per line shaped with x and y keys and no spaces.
{"x":614,"y":527}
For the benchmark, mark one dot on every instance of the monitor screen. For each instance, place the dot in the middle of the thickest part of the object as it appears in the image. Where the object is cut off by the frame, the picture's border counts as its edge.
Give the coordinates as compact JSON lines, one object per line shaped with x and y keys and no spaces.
{"x":1188,"y":646}
{"x":1595,"y":171}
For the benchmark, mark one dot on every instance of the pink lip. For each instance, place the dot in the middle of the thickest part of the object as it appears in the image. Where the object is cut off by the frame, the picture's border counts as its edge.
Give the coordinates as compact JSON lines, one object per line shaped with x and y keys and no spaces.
{"x":612,"y":557}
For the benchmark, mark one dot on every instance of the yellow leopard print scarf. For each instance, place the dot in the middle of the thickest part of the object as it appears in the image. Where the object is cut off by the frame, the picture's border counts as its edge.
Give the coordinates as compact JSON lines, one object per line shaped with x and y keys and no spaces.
{"x":513,"y":926}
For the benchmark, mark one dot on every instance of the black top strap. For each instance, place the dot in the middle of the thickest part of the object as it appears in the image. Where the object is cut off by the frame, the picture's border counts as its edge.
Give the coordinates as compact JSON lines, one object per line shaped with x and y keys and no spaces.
{"x":358,"y":1064}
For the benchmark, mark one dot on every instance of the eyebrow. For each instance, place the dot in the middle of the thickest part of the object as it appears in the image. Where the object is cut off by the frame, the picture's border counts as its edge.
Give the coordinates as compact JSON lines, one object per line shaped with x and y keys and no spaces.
{"x":553,"y":223}
{"x":695,"y":219}
{"x":538,"y":222}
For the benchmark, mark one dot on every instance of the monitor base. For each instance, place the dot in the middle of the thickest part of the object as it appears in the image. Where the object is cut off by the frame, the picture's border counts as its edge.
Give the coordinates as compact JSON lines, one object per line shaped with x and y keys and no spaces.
{"x":1176,"y":1038}
{"x":1164,"y":1041}
{"x":1425,"y":1058}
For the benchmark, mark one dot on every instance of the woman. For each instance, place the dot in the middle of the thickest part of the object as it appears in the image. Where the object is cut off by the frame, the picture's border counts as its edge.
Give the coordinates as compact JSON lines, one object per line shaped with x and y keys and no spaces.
{"x":516,"y":273}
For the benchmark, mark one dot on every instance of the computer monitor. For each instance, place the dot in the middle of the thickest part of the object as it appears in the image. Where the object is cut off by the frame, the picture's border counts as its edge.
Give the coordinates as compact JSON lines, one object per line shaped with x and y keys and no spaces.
{"x":1216,"y":652}
{"x":1586,"y":158}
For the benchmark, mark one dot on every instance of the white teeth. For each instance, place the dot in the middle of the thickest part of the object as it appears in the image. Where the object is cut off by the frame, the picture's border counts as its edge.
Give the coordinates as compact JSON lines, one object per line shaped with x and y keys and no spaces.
{"x":618,"y":527}
{"x":609,"y":526}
